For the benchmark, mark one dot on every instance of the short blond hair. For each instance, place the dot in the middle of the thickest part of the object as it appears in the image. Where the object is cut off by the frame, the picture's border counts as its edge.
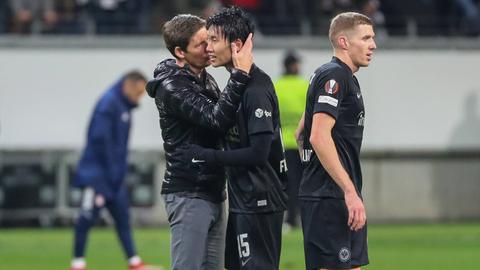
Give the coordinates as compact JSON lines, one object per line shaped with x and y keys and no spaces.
{"x":344,"y":22}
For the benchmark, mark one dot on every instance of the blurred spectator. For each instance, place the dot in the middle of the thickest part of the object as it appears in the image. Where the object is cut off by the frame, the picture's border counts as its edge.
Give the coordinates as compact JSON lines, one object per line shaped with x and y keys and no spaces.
{"x":291,"y":90}
{"x":163,"y":11}
{"x":320,"y":13}
{"x":248,"y":5}
{"x":395,"y":17}
{"x":371,"y":8}
{"x":68,"y":19}
{"x":3,"y":16}
{"x":271,"y":17}
{"x":469,"y":14}
{"x":28,"y":12}
{"x":279,"y":17}
{"x":118,"y":16}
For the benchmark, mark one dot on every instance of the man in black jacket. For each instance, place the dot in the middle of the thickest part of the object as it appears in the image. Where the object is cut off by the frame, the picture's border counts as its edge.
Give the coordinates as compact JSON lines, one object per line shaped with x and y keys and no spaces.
{"x":193,"y":111}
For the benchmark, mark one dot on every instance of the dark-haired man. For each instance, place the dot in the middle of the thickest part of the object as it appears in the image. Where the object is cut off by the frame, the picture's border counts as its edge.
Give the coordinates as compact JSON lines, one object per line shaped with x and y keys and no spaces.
{"x":193,"y":111}
{"x":102,"y":168}
{"x":254,"y":155}
{"x":332,"y":210}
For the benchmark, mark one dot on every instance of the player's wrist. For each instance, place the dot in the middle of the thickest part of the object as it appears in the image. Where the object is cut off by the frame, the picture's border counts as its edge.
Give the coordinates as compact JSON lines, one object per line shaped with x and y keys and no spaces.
{"x":350,"y":191}
{"x":240,"y":75}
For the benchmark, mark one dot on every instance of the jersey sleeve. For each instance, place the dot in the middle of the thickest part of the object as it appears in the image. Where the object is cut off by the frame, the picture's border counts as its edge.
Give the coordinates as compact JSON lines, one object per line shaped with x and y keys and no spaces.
{"x":330,"y":90}
{"x":259,"y":104}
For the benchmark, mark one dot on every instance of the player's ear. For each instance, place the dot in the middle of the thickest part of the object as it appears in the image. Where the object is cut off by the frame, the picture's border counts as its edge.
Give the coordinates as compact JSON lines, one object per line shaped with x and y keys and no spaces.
{"x":179,"y":53}
{"x":238,"y":42}
{"x":342,"y":42}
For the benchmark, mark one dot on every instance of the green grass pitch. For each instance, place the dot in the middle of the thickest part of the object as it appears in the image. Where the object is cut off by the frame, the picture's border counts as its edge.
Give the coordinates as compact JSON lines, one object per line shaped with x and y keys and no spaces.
{"x":391,"y":247}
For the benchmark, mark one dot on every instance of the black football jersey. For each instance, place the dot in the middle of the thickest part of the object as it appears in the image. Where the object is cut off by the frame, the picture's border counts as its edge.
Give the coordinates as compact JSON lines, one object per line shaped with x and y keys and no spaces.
{"x":333,"y":90}
{"x":257,"y":189}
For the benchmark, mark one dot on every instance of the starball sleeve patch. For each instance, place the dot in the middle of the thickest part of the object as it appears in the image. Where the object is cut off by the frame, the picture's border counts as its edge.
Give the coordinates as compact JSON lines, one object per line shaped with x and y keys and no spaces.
{"x":331,"y":87}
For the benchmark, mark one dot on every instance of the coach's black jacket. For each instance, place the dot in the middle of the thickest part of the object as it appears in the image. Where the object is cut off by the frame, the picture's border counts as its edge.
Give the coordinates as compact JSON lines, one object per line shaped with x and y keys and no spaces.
{"x":193,"y":111}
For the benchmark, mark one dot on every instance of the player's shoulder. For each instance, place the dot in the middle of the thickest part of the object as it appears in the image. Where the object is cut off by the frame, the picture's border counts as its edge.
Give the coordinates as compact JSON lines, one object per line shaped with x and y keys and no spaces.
{"x":260,"y":79}
{"x":332,"y":69}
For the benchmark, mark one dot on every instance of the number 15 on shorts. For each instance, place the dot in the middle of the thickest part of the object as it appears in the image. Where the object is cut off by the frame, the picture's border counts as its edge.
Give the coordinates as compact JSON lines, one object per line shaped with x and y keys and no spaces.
{"x":243,"y":246}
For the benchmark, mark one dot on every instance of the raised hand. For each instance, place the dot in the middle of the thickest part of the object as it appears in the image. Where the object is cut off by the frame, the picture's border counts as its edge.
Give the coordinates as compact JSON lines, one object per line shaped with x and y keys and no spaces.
{"x":243,"y":58}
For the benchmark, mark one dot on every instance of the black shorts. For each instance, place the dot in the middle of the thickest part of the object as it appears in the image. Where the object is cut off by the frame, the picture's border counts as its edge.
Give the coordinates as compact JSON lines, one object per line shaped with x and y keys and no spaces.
{"x":253,"y":241}
{"x":328,"y":241}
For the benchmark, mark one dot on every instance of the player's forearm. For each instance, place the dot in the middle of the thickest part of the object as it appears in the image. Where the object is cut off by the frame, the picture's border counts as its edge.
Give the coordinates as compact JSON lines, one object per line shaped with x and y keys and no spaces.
{"x":326,"y":152}
{"x":299,"y":131}
{"x":254,"y":155}
{"x":299,"y":135}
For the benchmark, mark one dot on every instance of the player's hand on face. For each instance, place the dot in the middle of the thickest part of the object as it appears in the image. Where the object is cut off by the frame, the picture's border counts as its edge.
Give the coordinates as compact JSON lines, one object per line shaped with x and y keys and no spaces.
{"x":243,"y":58}
{"x":356,"y":211}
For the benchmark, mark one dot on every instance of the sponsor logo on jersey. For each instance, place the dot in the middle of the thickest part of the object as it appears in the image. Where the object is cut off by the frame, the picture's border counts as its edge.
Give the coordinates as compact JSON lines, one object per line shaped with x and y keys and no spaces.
{"x":359,"y":95}
{"x":329,"y":100}
{"x":259,"y":113}
{"x":344,"y":255}
{"x":331,"y":87}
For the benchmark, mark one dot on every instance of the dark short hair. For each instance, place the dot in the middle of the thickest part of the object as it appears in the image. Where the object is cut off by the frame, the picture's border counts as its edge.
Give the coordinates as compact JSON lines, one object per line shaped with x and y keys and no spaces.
{"x":233,"y":22}
{"x":291,"y":57}
{"x":179,"y":30}
{"x":134,"y":75}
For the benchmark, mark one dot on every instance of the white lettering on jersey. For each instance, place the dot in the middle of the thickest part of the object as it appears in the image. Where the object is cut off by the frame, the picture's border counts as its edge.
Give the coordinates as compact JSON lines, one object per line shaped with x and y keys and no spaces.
{"x":243,"y":247}
{"x":306,"y":154}
{"x":283,"y":166}
{"x":328,"y":100}
{"x":262,"y":203}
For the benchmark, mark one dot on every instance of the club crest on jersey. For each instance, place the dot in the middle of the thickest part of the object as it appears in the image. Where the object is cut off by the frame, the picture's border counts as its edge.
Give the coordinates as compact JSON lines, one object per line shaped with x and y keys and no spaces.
{"x":331,"y":87}
{"x":344,"y":255}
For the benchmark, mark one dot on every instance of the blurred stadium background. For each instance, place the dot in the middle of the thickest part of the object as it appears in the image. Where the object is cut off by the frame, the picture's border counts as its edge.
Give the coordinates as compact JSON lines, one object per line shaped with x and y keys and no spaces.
{"x":421,"y":157}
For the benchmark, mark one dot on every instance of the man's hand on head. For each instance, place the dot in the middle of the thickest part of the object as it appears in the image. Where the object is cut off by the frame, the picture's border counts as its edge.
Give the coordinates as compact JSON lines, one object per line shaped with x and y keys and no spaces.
{"x":242,"y":58}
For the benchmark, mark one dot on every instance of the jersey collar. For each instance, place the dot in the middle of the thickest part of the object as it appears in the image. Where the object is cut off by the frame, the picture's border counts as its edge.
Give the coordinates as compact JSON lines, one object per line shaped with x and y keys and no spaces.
{"x":341,"y":63}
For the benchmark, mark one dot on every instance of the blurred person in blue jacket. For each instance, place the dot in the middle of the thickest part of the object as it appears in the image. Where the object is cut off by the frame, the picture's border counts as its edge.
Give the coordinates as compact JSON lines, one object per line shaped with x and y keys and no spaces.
{"x":103,"y":165}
